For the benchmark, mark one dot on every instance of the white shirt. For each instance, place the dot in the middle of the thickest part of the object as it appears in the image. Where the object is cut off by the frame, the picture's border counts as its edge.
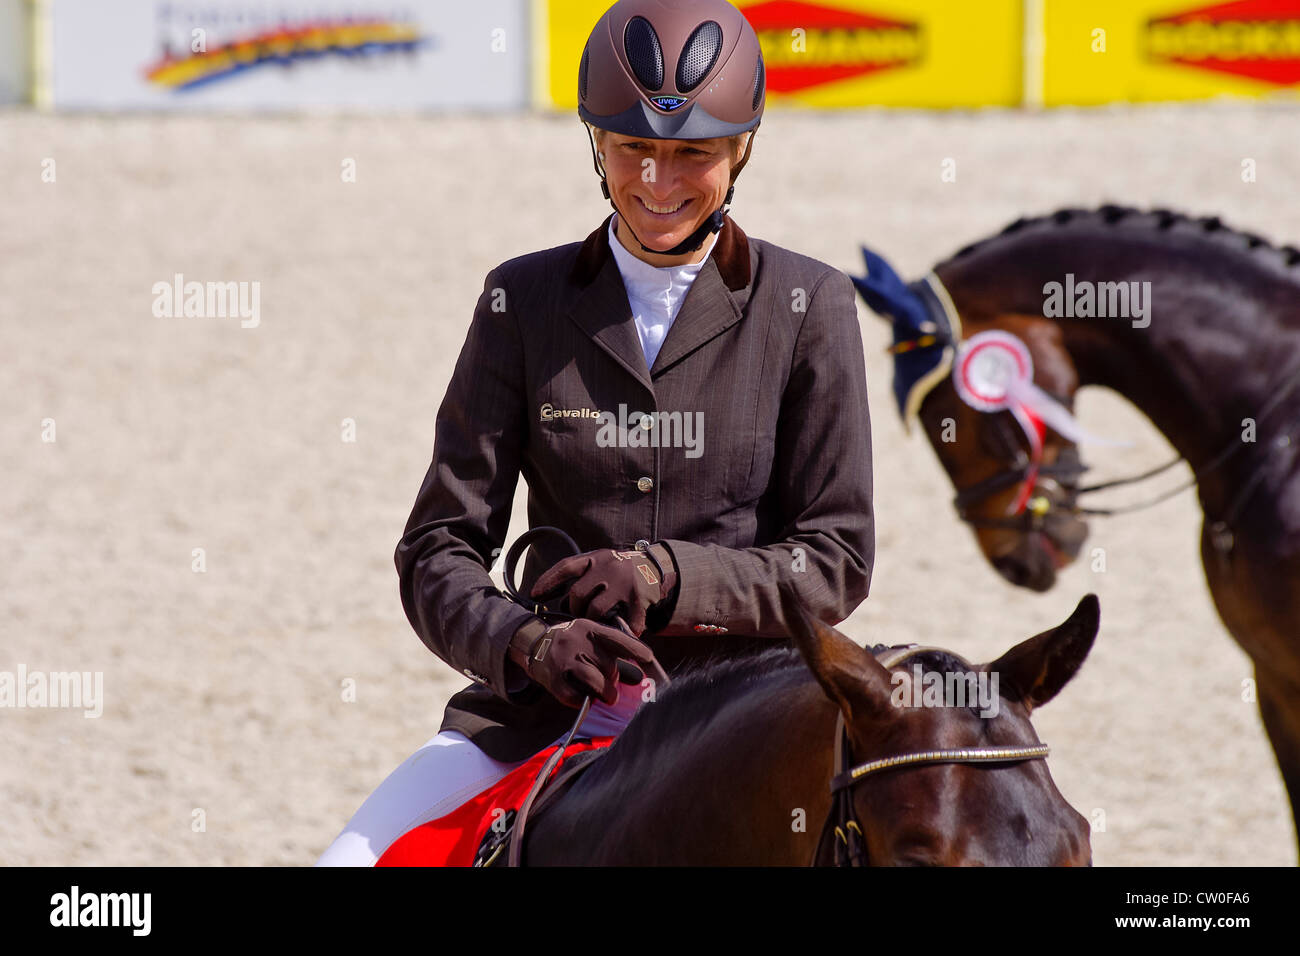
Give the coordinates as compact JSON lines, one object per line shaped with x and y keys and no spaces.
{"x":655,"y":293}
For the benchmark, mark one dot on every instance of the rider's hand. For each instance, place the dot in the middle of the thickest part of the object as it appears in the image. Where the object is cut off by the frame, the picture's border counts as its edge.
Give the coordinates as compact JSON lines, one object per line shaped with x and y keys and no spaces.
{"x":578,"y":658}
{"x":607,"y":582}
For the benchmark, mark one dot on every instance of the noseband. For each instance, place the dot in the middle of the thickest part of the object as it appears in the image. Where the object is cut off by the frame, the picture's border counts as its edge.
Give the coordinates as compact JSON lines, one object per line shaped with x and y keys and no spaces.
{"x":1068,"y":468}
{"x":1063,"y":474}
{"x":850,"y":847}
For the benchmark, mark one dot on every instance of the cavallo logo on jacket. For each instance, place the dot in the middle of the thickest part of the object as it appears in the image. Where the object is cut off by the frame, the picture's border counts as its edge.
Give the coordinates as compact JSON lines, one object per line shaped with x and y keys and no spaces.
{"x":549,"y":412}
{"x":632,"y":429}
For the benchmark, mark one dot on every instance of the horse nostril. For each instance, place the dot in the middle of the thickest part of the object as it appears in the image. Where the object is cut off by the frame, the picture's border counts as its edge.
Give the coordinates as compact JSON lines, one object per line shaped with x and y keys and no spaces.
{"x":1023,"y":574}
{"x":1011,"y":569}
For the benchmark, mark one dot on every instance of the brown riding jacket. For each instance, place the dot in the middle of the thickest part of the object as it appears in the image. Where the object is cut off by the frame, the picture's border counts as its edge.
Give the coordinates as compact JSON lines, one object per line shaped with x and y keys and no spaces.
{"x":772,"y":484}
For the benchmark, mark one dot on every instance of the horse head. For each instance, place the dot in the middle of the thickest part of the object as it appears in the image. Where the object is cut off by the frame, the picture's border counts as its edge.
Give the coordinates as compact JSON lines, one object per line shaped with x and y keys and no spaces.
{"x":901,"y":708}
{"x":1018,"y":495}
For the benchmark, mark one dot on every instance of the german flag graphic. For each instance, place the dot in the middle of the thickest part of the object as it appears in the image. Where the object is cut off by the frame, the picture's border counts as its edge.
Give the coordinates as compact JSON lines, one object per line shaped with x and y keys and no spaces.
{"x":283,"y":46}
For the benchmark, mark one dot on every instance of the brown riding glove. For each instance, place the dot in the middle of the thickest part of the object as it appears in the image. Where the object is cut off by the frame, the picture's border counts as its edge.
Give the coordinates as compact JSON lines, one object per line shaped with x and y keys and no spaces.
{"x":629,"y":583}
{"x":578,"y":658}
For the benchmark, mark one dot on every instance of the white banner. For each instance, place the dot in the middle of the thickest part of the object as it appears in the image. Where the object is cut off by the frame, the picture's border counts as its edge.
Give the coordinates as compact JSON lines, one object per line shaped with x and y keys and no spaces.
{"x":290,"y":54}
{"x":15,"y":51}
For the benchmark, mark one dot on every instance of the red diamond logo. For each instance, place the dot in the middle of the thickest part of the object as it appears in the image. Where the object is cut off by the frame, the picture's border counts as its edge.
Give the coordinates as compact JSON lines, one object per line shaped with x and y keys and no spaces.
{"x":835,"y":44}
{"x":1258,"y":39}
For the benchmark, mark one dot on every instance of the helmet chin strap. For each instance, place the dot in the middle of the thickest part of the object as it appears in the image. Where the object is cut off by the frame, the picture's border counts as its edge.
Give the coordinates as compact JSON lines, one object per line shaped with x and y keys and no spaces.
{"x":691,"y":243}
{"x":713,"y":223}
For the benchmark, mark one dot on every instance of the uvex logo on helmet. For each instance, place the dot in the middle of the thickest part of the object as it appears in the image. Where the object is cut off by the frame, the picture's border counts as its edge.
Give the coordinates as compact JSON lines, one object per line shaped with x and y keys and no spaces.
{"x":1259,"y":39}
{"x":668,"y":102}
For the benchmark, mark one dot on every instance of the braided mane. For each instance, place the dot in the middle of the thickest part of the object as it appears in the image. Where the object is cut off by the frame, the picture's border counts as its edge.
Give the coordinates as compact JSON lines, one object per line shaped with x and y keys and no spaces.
{"x":697,"y":690}
{"x":1156,"y":221}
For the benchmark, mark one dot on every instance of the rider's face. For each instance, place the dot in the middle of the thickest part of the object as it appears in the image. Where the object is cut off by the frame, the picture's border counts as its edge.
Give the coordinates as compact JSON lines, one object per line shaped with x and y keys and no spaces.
{"x":666,"y":188}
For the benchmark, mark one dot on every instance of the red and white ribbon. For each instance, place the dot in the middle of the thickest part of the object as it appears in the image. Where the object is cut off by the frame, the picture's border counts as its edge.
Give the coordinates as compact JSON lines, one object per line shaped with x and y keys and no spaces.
{"x":993,"y":372}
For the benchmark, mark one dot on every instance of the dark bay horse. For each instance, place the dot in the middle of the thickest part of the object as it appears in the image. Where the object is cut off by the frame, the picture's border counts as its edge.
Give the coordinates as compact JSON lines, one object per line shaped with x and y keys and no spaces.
{"x":732,"y":764}
{"x":1214,"y":363}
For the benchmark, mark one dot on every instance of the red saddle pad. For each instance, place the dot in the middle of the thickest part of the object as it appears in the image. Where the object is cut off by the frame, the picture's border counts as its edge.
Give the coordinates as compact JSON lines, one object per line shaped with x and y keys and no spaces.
{"x":452,"y":840}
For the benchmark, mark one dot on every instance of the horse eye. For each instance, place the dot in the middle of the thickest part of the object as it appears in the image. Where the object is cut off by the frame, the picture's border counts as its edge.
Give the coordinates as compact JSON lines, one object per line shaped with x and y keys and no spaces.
{"x":991,"y":440}
{"x":999,"y":437}
{"x":919,"y":852}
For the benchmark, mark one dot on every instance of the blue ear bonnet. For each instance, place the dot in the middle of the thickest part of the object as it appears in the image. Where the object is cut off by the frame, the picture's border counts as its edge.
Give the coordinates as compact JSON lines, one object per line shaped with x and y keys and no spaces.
{"x":926,"y":329}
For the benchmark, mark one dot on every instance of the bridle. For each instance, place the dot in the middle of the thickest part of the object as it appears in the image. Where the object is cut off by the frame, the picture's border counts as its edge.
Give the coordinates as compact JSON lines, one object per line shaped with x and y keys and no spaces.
{"x":1063,"y":474}
{"x":1068,"y":467}
{"x":942,"y":330}
{"x":849,"y":847}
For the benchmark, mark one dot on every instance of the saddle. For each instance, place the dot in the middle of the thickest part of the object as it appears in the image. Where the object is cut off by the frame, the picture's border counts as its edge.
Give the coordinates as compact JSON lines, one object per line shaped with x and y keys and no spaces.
{"x":550,"y":781}
{"x":480,"y":830}
{"x":506,"y":842}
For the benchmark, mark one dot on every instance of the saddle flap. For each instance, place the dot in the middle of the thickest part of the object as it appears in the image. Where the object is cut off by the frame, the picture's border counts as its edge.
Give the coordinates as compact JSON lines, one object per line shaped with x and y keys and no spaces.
{"x":496,"y":844}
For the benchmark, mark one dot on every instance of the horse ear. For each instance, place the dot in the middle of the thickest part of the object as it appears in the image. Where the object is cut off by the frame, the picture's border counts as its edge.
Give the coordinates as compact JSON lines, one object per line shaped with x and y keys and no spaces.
{"x":890,"y":296}
{"x":1035,"y":670}
{"x":849,"y":674}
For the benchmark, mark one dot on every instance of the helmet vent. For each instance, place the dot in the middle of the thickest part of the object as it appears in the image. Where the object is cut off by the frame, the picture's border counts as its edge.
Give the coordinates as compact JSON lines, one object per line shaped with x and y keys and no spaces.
{"x":644,"y":54}
{"x":698,"y":56}
{"x":582,"y":72}
{"x":759,"y":82}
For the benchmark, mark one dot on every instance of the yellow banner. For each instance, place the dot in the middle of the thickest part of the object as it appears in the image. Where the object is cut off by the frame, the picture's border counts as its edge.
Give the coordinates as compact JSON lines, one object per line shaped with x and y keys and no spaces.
{"x":835,"y":53}
{"x":1099,"y":51}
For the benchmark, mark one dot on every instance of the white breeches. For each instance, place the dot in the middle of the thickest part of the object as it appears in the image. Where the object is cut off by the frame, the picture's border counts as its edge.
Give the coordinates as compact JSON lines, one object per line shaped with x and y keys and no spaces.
{"x":439,"y":777}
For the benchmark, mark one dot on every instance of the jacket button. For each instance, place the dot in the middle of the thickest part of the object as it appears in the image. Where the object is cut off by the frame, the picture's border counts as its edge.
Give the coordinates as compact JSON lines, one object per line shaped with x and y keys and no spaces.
{"x":645,"y":483}
{"x":647,"y":422}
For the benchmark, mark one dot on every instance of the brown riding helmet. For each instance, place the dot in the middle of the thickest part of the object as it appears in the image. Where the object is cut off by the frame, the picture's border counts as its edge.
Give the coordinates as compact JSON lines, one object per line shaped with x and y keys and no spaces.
{"x":672,"y":69}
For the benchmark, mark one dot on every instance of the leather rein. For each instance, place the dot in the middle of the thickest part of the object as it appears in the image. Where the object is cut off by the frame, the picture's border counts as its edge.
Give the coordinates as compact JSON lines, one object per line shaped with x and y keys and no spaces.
{"x":850,"y":846}
{"x":1068,"y":468}
{"x":514,"y":823}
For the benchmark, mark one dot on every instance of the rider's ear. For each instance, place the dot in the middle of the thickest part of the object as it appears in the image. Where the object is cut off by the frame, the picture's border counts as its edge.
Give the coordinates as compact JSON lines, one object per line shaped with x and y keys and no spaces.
{"x":849,"y":674}
{"x":1035,"y":670}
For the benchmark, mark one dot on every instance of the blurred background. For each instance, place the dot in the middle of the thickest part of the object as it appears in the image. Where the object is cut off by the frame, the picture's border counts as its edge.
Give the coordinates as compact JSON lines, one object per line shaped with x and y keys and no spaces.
{"x":204,"y":509}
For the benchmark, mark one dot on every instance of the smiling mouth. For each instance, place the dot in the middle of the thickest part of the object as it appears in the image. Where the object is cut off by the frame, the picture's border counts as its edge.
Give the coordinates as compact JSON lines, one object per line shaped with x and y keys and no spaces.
{"x":663,"y":212}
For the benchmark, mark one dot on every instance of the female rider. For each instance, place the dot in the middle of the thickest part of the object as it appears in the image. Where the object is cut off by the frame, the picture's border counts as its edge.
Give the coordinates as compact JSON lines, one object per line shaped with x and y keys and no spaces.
{"x":687,"y":402}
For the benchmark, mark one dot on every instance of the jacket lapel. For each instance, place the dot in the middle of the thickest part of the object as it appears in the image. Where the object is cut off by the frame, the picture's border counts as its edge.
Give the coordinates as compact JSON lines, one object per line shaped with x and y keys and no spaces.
{"x":602,"y":311}
{"x":713,"y":304}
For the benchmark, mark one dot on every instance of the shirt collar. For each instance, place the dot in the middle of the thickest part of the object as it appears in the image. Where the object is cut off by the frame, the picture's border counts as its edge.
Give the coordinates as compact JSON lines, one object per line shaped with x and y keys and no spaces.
{"x":636,"y":269}
{"x":731,"y":253}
